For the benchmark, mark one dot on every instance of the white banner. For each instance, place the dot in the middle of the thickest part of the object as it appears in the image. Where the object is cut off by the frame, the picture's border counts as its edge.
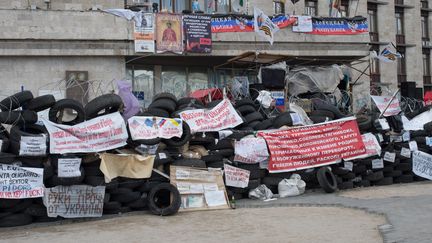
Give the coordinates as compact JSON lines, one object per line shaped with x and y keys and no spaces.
{"x":251,"y":150}
{"x":372,"y":146}
{"x":20,"y":182}
{"x":221,"y":117}
{"x":236,"y":177}
{"x":303,"y":24}
{"x":33,"y":145}
{"x":422,"y":164}
{"x":382,"y":102}
{"x":95,"y":135}
{"x":69,"y":167}
{"x":76,"y":201}
{"x":147,"y":127}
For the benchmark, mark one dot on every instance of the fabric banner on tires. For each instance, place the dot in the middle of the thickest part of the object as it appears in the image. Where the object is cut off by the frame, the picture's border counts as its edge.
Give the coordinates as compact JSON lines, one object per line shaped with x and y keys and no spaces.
{"x":422,"y":164}
{"x":95,"y":135}
{"x":313,"y":145}
{"x":76,"y":201}
{"x":221,"y":117}
{"x":251,"y":150}
{"x":147,"y":127}
{"x":383,"y":101}
{"x":20,"y":182}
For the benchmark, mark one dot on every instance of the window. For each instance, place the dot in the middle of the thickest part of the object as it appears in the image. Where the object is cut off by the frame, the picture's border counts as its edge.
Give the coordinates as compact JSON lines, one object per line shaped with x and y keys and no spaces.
{"x":399,"y":23}
{"x":279,"y":7}
{"x":223,"y":6}
{"x":425,"y":27}
{"x":197,"y":78}
{"x":311,"y":7}
{"x":142,"y":83}
{"x":174,"y":80}
{"x":344,"y":8}
{"x":424,"y":4}
{"x":174,"y":6}
{"x":373,"y":22}
{"x":426,"y":66}
{"x":401,"y":65}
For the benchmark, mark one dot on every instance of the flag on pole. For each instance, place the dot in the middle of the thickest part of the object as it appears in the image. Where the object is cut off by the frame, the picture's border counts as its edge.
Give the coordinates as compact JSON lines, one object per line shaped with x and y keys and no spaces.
{"x":264,"y":26}
{"x":388,"y":55}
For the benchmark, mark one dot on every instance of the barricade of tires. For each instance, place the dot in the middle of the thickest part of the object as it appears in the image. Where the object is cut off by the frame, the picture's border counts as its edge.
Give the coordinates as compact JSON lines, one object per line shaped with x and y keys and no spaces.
{"x":200,"y":150}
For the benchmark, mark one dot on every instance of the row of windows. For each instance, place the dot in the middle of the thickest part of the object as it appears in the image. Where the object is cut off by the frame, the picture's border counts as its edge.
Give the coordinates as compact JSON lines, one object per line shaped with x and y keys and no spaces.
{"x":227,"y":6}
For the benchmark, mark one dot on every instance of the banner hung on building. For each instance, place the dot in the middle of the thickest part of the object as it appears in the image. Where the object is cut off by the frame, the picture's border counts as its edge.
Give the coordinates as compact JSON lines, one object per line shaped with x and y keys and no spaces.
{"x":197,"y":33}
{"x":238,"y":23}
{"x":314,"y":145}
{"x":169,"y":33}
{"x":339,"y":26}
{"x":144,"y":34}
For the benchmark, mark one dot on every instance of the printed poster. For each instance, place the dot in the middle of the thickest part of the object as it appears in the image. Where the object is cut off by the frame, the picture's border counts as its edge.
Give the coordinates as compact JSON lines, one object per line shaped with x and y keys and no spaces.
{"x":20,"y":182}
{"x":169,"y":33}
{"x":237,"y":23}
{"x":198,"y":33}
{"x":144,"y":34}
{"x":382,"y":101}
{"x":303,"y":24}
{"x":147,"y":127}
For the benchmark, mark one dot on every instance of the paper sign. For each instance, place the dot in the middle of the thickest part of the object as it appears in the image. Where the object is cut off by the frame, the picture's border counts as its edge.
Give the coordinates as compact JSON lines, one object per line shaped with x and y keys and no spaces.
{"x":215,"y":198}
{"x":76,"y":201}
{"x":377,"y":164}
{"x":413,"y":146}
{"x":348,"y":165}
{"x":147,"y":127}
{"x":224,"y":134}
{"x":396,"y":138}
{"x":390,"y":157}
{"x":162,"y":156}
{"x":251,"y":150}
{"x":422,"y":164}
{"x":20,"y":182}
{"x":69,"y":167}
{"x":303,"y":24}
{"x":99,"y":134}
{"x":236,"y":177}
{"x":221,"y":117}
{"x":33,"y":146}
{"x":382,"y":102}
{"x":296,"y":119}
{"x":384,"y":124}
{"x":380,"y":137}
{"x":406,"y":136}
{"x":429,"y":141}
{"x":405,"y":152}
{"x":313,"y":145}
{"x":192,"y":201}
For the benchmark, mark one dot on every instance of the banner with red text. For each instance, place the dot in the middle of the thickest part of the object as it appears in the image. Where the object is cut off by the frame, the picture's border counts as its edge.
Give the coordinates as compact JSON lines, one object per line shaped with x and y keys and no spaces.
{"x":383,"y":101}
{"x":314,"y":145}
{"x":236,"y":177}
{"x":221,"y":117}
{"x":95,"y":135}
{"x":20,"y":182}
{"x":147,"y":127}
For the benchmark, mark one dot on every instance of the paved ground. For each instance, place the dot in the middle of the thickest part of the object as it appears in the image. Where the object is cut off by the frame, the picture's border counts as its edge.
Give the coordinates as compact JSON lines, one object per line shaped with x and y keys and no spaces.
{"x":399,"y":213}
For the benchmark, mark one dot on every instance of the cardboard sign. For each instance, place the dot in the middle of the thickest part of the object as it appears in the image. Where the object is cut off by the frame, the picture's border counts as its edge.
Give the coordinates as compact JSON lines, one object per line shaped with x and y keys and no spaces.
{"x":251,"y":150}
{"x":33,"y":146}
{"x":236,"y":177}
{"x":147,"y":127}
{"x":200,"y":189}
{"x":313,"y":145}
{"x":20,"y":182}
{"x":78,"y":201}
{"x":377,"y":164}
{"x":382,"y":102}
{"x":422,"y":164}
{"x":92,"y":136}
{"x":390,"y":157}
{"x":69,"y":167}
{"x":221,"y":117}
{"x":126,"y":165}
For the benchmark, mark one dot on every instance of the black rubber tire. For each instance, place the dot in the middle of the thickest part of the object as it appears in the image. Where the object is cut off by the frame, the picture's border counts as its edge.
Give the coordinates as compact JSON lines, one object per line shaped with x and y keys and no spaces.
{"x":190,"y":163}
{"x":166,"y":204}
{"x":165,"y":95}
{"x":178,"y":142}
{"x":92,"y":171}
{"x":340,"y":171}
{"x":16,"y":220}
{"x":428,"y":127}
{"x":36,"y":210}
{"x":253,"y":184}
{"x":108,"y":103}
{"x":266,"y":124}
{"x":364,"y":122}
{"x":363,"y":183}
{"x":246,"y":109}
{"x":18,"y":117}
{"x":212,"y":158}
{"x":112,"y":205}
{"x":322,"y":105}
{"x":222,"y":144}
{"x":164,"y":104}
{"x":139,"y":204}
{"x":48,"y":172}
{"x":125,"y":197}
{"x":131,"y":183}
{"x":158,"y":112}
{"x":346,"y":185}
{"x":419,"y":133}
{"x":284,"y":119}
{"x":319,"y":119}
{"x":94,"y":180}
{"x":215,"y":164}
{"x":404,"y":167}
{"x":348,"y":176}
{"x":63,"y":104}
{"x":271,"y":181}
{"x":7,"y":158}
{"x":324,"y":113}
{"x":8,"y":203}
{"x":327,"y":180}
{"x":224,"y":152}
{"x":16,"y":101}
{"x":358,"y":169}
{"x":254,"y":124}
{"x":384,"y":181}
{"x":147,"y":186}
{"x":35,"y":162}
{"x":41,"y":103}
{"x":403,"y":179}
{"x":254,"y":170}
{"x":20,"y":207}
{"x":239,"y":103}
{"x":375,"y":176}
{"x":69,"y":181}
{"x":213,"y":104}
{"x":189,"y":101}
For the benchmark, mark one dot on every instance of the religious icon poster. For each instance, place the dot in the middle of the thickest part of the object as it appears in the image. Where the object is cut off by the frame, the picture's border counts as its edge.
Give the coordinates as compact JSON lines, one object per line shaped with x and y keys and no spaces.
{"x":169,"y":33}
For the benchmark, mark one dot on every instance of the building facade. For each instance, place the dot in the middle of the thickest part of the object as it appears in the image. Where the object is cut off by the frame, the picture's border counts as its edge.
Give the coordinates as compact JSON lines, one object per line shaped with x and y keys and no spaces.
{"x":43,"y":42}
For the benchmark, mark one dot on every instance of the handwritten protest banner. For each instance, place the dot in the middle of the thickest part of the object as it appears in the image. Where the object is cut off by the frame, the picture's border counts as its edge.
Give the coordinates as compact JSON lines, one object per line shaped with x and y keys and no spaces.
{"x":251,"y":150}
{"x":372,"y":146}
{"x":221,"y":117}
{"x":236,"y":177}
{"x":147,"y":127}
{"x":20,"y":182}
{"x":382,"y":102}
{"x":422,"y":164}
{"x":313,"y":145}
{"x":95,"y":135}
{"x":76,"y":201}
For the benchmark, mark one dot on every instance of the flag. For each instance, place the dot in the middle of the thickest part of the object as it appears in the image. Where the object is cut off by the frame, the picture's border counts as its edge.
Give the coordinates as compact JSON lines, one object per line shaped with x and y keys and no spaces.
{"x":335,"y":8}
{"x":387,"y":55}
{"x":264,"y":26}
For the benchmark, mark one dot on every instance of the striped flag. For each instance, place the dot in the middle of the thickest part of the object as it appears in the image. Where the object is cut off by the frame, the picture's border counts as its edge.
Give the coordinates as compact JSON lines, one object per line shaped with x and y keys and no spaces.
{"x":264,"y":26}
